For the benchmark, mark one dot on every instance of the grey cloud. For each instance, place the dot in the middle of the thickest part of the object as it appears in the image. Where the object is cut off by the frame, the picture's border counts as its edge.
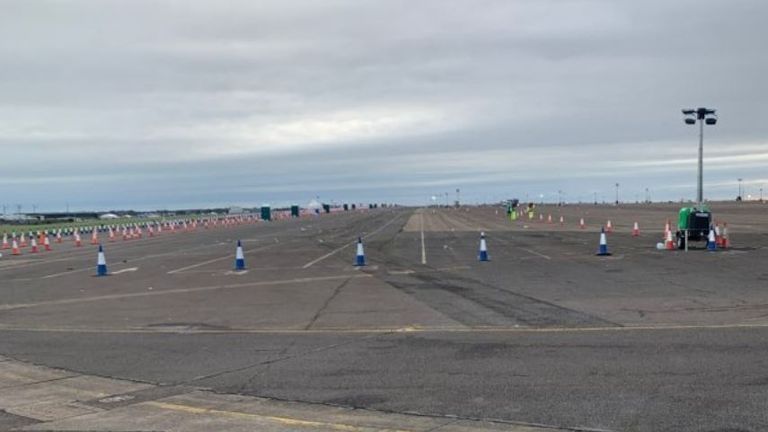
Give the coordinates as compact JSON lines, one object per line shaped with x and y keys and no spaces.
{"x":179,"y":103}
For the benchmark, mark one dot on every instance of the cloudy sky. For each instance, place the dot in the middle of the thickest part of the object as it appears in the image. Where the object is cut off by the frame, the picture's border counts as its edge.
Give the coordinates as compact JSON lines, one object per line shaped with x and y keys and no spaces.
{"x":118,"y":104}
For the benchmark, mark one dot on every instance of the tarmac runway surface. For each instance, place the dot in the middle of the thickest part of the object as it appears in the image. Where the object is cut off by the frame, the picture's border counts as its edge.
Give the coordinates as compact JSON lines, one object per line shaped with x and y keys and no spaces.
{"x":545,"y":333}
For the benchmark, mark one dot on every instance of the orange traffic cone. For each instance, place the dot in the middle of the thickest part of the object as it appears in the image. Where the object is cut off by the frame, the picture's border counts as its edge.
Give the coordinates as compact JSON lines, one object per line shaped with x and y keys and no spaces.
{"x":78,"y":243}
{"x":34,"y":245}
{"x":609,"y":227}
{"x":46,"y":244}
{"x":562,"y":220}
{"x":58,"y":236}
{"x":636,"y":230}
{"x":15,"y":250}
{"x":549,"y":218}
{"x":581,"y":223}
{"x":725,"y":241}
{"x":670,"y":242}
{"x":5,"y":242}
{"x":95,"y":237}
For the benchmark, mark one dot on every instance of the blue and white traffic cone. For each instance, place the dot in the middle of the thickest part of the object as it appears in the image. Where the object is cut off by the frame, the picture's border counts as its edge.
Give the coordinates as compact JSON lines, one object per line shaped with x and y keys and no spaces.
{"x":482,"y":254}
{"x":603,"y":251}
{"x":101,"y":263}
{"x":360,"y":258}
{"x":711,"y":240}
{"x":239,"y":258}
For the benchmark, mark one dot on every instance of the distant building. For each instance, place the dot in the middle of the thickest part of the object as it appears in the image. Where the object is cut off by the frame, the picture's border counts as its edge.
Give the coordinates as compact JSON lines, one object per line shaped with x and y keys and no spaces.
{"x":17,"y":218}
{"x":235,"y":210}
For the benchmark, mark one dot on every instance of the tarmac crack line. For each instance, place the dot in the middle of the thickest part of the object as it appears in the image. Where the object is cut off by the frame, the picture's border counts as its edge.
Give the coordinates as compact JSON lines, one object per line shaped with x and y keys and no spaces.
{"x":287,"y":357}
{"x":326,"y":303}
{"x":74,"y":375}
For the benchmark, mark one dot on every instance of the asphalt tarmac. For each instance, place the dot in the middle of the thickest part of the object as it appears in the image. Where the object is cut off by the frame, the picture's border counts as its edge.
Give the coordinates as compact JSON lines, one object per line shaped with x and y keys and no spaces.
{"x":544,"y":333}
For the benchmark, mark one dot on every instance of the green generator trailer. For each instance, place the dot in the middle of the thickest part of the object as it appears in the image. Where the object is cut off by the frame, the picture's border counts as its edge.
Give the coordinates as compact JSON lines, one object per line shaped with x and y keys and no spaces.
{"x":693,"y":224}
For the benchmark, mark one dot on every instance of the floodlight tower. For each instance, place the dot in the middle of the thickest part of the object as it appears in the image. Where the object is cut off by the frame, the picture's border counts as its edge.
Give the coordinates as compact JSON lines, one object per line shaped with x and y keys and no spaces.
{"x":703,"y":115}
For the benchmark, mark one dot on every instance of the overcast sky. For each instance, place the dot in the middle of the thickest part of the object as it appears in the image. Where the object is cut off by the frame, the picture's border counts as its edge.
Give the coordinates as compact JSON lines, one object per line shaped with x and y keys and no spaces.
{"x":181,"y":103}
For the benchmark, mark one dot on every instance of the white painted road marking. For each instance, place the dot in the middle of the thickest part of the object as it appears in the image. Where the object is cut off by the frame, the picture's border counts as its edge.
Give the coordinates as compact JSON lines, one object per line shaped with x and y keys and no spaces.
{"x":126,"y":270}
{"x":66,"y":273}
{"x":230,"y":256}
{"x":531,"y":251}
{"x":335,"y":251}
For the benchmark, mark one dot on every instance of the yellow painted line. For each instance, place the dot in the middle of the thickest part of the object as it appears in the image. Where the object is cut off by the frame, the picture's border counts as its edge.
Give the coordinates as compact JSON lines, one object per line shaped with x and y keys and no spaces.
{"x":180,"y":291}
{"x":286,"y":421}
{"x":401,"y":329}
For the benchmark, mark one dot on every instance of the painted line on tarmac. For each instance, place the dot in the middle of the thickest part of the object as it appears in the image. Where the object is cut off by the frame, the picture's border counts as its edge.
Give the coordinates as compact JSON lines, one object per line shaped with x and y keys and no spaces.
{"x":285,"y":421}
{"x":75,"y":253}
{"x":423,"y":247}
{"x":50,"y":276}
{"x":180,"y":291}
{"x":531,"y":251}
{"x":379,"y":330}
{"x":86,"y":253}
{"x":410,"y":271}
{"x":126,"y":270}
{"x":335,"y":251}
{"x":230,"y":256}
{"x":462,"y":226}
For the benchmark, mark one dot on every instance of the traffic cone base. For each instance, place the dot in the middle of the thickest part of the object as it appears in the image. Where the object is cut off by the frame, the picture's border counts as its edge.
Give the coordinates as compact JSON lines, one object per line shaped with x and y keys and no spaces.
{"x":360,"y":255}
{"x":239,"y":257}
{"x":603,"y":248}
{"x":101,"y":263}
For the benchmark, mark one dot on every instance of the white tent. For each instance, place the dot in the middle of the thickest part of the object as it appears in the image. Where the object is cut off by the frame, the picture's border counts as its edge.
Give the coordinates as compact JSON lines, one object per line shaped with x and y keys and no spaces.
{"x":314,"y":205}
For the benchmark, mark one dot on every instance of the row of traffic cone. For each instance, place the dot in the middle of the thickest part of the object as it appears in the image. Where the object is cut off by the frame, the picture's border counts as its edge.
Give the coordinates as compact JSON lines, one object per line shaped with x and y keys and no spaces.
{"x":360,"y":260}
{"x":16,"y":243}
{"x":608,"y":228}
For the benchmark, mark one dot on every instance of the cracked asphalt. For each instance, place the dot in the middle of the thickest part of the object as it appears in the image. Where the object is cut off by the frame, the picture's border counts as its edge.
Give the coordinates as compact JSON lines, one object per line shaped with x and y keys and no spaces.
{"x":544,"y":333}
